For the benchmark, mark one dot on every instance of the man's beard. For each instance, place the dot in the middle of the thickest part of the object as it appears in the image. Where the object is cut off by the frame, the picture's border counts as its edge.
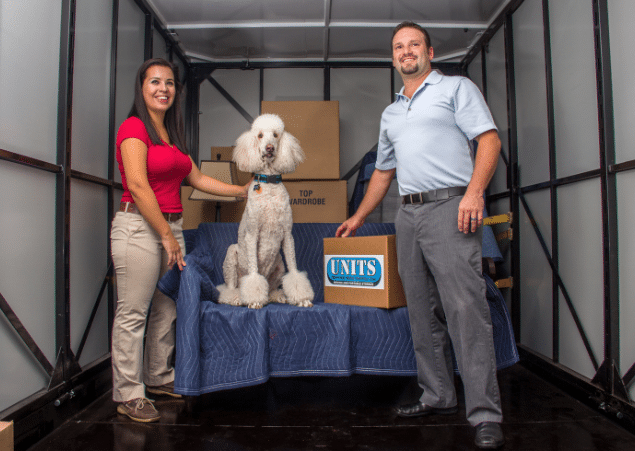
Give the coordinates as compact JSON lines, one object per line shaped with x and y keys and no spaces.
{"x":413,"y":69}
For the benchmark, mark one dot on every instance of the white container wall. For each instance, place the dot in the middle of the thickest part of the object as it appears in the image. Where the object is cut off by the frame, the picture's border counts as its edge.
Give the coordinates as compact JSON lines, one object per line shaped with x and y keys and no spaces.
{"x":531,"y":93}
{"x":28,"y":126}
{"x":580,"y":251}
{"x":536,"y":313}
{"x":363,"y":94}
{"x":91,"y":88}
{"x":625,"y":190}
{"x":622,"y":33}
{"x":496,"y":81}
{"x":219,"y":122}
{"x":89,"y":262}
{"x":130,"y":51}
{"x":574,"y":86}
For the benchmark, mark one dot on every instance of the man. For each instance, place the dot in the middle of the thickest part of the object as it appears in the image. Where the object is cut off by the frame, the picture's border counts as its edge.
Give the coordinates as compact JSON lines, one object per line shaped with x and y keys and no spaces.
{"x":425,"y":138}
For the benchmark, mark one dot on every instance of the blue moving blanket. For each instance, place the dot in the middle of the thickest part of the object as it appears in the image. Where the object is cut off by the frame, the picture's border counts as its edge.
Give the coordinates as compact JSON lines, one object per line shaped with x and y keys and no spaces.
{"x":220,"y":347}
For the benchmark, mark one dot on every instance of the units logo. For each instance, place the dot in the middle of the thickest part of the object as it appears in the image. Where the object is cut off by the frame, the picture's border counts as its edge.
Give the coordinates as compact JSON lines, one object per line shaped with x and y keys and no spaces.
{"x":358,"y":271}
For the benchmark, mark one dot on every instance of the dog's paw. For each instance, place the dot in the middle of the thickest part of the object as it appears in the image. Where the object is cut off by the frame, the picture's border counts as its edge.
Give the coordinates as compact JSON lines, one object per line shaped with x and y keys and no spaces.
{"x":297,"y":289}
{"x":255,"y":305}
{"x":254,"y":289}
{"x":277,"y":296}
{"x":229,"y":296}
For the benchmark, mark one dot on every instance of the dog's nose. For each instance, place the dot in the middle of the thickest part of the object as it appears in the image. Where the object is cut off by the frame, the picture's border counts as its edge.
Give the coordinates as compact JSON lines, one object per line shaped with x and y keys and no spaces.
{"x":270,"y":148}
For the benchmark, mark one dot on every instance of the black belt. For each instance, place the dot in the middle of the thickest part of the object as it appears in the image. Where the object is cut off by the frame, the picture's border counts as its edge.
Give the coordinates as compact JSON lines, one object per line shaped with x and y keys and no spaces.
{"x":434,"y":195}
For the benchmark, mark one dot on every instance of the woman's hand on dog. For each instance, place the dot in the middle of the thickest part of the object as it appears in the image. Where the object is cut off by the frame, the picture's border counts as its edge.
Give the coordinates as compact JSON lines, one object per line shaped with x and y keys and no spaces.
{"x":245,"y":190}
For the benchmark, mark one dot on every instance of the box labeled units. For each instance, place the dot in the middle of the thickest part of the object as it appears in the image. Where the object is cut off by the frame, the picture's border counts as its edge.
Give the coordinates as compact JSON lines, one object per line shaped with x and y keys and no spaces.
{"x":316,"y":124}
{"x":362,"y":271}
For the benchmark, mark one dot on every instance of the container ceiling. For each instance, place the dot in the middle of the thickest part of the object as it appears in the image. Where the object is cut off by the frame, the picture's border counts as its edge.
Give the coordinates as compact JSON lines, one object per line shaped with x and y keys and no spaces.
{"x":319,"y":30}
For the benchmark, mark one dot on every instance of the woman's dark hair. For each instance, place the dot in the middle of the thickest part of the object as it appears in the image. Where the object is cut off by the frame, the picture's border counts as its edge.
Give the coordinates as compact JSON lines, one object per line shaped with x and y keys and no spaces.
{"x":409,"y":24}
{"x":173,"y":117}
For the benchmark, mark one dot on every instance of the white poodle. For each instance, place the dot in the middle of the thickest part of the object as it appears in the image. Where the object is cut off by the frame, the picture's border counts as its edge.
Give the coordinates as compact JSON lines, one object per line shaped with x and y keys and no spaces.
{"x":253,"y":268}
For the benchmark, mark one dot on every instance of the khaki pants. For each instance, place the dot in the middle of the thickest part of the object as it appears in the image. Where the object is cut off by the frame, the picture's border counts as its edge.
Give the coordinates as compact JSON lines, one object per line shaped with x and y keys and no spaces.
{"x":140,"y":261}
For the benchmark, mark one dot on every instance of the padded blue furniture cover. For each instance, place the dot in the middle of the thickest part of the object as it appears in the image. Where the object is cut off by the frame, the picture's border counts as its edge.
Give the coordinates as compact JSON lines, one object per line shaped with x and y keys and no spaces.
{"x":220,"y":347}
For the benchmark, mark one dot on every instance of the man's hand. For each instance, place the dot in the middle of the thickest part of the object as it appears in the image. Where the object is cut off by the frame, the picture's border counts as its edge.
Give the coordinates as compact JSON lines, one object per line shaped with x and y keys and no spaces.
{"x":349,"y":227}
{"x":471,"y":213}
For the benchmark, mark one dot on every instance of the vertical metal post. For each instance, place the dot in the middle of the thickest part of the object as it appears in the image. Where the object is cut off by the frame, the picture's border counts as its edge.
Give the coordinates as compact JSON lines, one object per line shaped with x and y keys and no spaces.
{"x":608,"y":374}
{"x":64,"y":366}
{"x":112,"y":126}
{"x":327,"y":82}
{"x":262,"y":89}
{"x":513,"y":166}
{"x":553,"y":175}
{"x":192,"y":109}
{"x":149,"y":36}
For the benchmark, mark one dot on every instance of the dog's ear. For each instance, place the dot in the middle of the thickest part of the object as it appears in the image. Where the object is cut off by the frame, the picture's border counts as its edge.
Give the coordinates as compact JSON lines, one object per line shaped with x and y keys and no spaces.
{"x":290,"y":155}
{"x":245,"y":152}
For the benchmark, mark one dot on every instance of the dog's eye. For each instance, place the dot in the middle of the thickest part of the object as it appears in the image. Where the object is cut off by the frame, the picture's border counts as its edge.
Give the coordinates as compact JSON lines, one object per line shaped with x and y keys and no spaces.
{"x":260,"y":135}
{"x":275,"y":135}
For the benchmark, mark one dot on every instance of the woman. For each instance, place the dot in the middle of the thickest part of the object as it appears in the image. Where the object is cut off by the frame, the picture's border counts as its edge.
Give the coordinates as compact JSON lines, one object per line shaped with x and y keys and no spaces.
{"x":147,"y":237}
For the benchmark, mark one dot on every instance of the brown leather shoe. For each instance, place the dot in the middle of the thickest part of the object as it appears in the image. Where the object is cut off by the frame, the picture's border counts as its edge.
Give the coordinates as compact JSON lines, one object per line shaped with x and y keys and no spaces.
{"x":139,"y":409}
{"x":165,"y":389}
{"x":419,"y":409}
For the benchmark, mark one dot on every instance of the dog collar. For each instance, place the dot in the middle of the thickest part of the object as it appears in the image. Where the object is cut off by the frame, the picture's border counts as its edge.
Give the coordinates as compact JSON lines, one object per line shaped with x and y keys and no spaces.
{"x":268,"y":178}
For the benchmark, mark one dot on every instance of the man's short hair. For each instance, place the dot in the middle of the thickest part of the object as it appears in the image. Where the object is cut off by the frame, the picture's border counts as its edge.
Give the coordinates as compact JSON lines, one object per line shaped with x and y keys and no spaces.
{"x":410,"y":24}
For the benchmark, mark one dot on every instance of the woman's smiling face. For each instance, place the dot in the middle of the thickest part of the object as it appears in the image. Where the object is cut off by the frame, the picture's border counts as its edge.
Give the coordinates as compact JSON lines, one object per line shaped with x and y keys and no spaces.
{"x":159,"y":89}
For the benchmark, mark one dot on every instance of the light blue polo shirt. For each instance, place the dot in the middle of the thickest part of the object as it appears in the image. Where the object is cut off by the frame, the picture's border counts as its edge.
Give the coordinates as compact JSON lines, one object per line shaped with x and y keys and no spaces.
{"x":428,"y":138}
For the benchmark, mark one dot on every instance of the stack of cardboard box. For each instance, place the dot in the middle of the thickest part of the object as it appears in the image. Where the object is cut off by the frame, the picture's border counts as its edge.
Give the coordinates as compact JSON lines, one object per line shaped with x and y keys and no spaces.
{"x":315,"y":190}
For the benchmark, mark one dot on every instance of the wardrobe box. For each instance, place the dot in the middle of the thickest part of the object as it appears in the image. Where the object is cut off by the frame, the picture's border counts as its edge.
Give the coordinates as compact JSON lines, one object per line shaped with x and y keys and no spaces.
{"x":6,"y":436}
{"x":318,"y":201}
{"x":311,"y":201}
{"x":362,"y":271}
{"x":316,"y":124}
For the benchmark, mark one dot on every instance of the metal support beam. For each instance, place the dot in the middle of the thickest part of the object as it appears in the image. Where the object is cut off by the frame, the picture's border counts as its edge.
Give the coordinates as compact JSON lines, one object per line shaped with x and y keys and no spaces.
{"x":556,"y":275}
{"x":148,"y":38}
{"x":231,"y":100}
{"x":93,"y":313}
{"x":25,"y":335}
{"x":553,"y":175}
{"x":66,"y":365}
{"x":513,"y":168}
{"x":192,"y":110}
{"x":608,"y":376}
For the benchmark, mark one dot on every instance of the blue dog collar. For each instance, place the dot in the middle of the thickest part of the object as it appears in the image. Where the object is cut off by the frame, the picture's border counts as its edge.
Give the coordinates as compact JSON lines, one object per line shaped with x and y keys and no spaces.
{"x":268,"y":178}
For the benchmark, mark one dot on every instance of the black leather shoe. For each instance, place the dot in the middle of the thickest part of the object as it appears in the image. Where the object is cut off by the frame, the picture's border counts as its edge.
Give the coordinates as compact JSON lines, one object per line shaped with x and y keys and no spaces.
{"x":419,"y":409}
{"x":489,"y":435}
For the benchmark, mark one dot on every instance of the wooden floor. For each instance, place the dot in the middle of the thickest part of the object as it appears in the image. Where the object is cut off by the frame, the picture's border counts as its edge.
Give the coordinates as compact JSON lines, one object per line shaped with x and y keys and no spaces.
{"x":353,"y":413}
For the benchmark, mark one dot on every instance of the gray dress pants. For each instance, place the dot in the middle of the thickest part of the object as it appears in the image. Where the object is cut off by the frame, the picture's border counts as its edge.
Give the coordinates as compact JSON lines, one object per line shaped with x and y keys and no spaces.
{"x":441,"y":272}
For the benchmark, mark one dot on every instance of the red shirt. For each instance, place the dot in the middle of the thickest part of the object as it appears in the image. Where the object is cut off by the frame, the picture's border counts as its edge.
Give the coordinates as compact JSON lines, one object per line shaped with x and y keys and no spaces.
{"x":167,"y":166}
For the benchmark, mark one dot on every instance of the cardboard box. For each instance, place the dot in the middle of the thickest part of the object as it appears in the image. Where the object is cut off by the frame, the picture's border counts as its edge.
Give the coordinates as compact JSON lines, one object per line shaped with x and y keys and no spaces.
{"x":318,"y":201}
{"x":311,"y":201}
{"x":362,"y":271}
{"x":6,"y":436}
{"x":316,"y":124}
{"x":196,"y":211}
